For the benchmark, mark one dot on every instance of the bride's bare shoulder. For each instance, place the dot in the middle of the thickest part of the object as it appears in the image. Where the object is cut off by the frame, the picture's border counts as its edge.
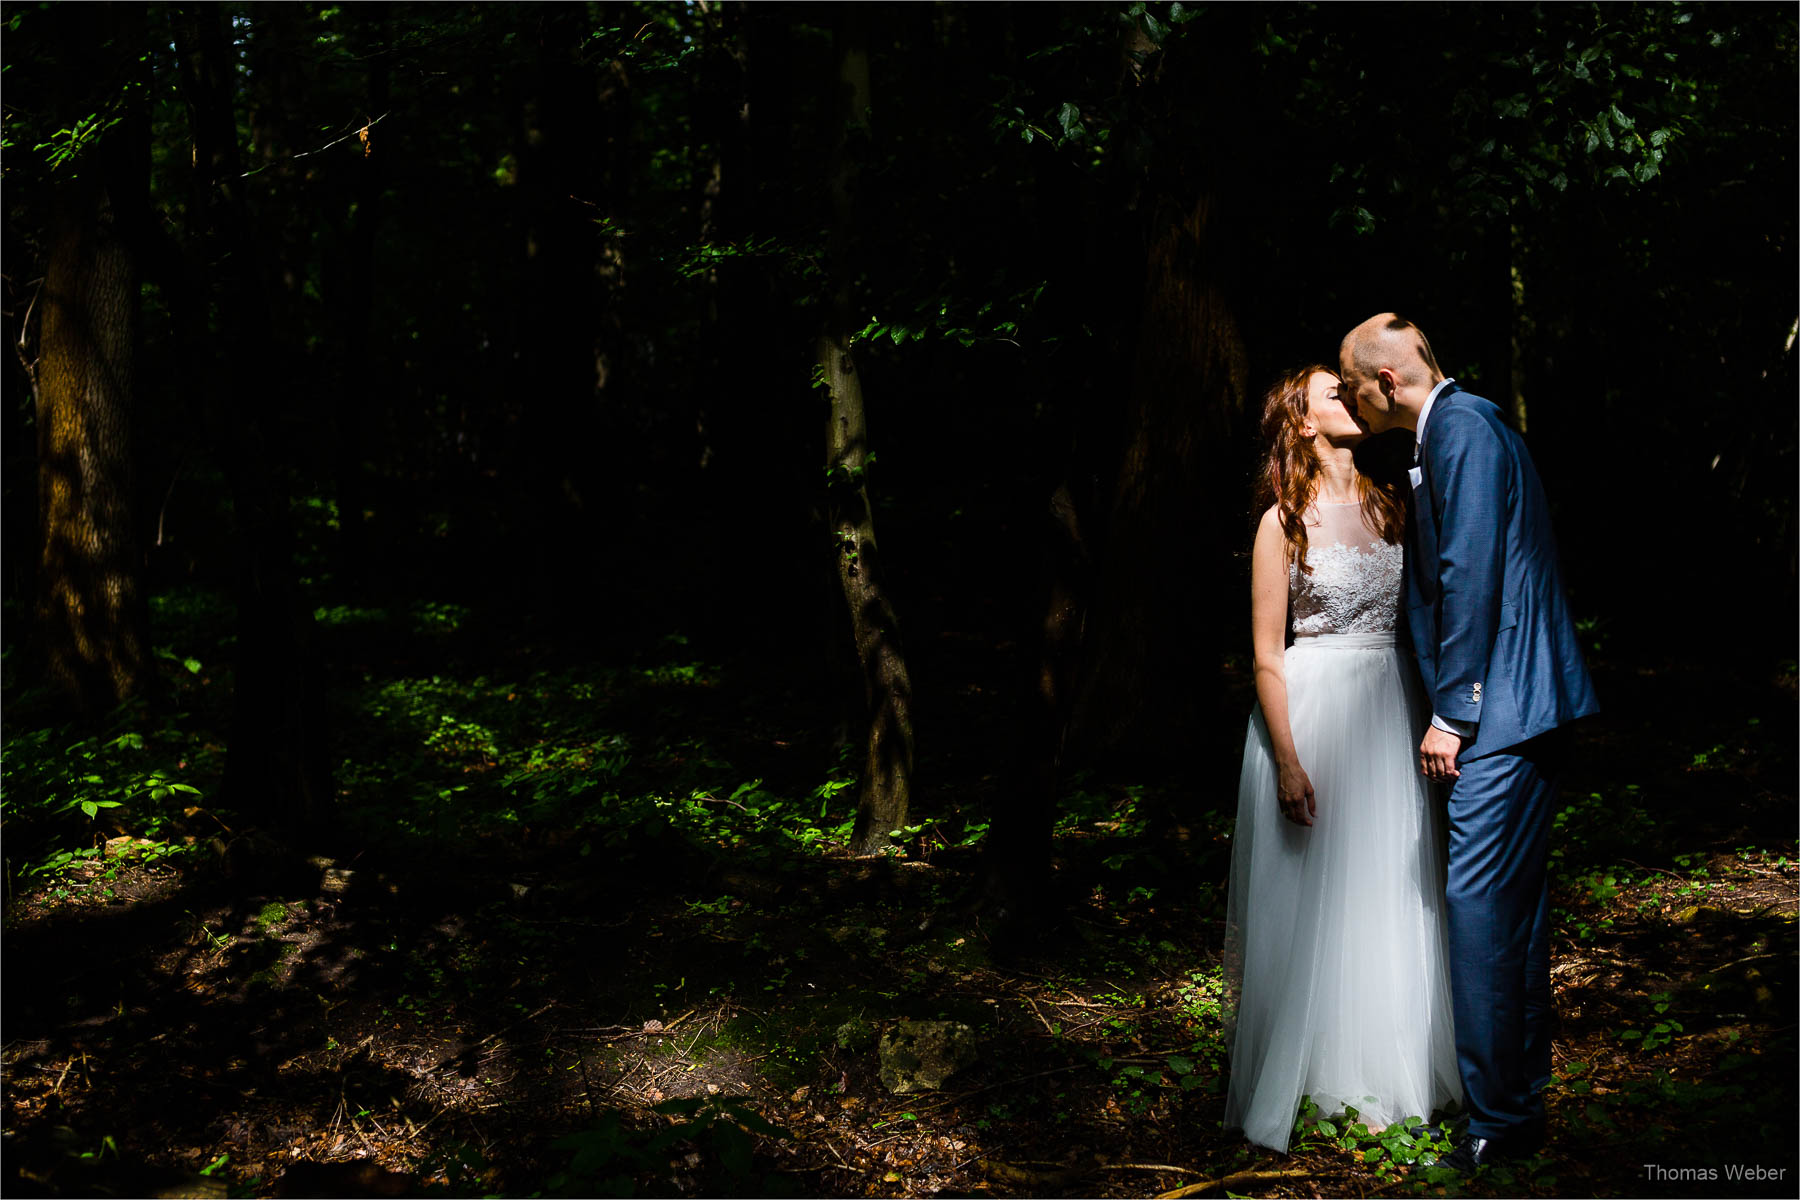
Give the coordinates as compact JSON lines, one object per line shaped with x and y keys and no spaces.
{"x":1269,"y":533}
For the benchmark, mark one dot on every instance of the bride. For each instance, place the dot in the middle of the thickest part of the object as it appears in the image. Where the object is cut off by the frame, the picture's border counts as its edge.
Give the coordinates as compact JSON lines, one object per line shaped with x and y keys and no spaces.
{"x":1335,"y":942}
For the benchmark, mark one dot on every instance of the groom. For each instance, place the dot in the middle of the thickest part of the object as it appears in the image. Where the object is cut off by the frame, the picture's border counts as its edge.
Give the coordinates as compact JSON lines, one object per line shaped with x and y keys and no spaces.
{"x":1498,"y":653}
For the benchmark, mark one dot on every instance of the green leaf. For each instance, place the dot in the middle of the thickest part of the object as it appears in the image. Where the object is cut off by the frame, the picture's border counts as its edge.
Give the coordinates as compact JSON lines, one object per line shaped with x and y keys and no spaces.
{"x":1069,"y":118}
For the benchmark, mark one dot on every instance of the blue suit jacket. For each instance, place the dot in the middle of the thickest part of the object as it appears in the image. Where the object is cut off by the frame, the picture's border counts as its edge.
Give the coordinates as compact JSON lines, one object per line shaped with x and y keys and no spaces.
{"x":1484,"y":593}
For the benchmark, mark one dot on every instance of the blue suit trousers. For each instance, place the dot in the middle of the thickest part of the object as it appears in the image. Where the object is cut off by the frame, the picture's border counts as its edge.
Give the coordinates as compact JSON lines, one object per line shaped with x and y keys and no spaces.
{"x":1498,"y":911}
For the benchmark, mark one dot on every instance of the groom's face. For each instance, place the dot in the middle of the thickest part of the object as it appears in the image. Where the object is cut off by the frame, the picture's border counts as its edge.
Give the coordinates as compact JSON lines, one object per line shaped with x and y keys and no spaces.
{"x":1372,"y":407}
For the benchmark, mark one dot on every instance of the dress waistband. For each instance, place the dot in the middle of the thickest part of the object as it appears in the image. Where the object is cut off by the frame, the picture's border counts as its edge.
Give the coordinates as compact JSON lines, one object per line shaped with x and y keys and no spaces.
{"x":1346,"y":641}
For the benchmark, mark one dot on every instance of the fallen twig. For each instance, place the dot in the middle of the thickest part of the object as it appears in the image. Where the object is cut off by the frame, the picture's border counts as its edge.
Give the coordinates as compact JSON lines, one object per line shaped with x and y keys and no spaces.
{"x":1236,"y":1180}
{"x":1753,"y":958}
{"x":1147,"y":1167}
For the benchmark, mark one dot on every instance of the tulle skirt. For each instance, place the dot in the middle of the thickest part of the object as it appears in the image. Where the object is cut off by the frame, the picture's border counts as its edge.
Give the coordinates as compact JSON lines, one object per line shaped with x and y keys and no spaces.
{"x":1335,"y":939}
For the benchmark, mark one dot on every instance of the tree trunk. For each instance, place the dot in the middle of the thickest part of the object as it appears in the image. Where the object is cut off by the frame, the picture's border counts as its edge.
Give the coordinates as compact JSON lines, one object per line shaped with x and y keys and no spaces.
{"x":92,"y":614}
{"x":1499,"y":334}
{"x":572,"y":132}
{"x":1137,"y":587}
{"x":1160,"y":607}
{"x":1016,"y":857}
{"x":875,"y":630}
{"x":761,"y":456}
{"x":276,"y":763}
{"x":359,"y":394}
{"x":91,"y":611}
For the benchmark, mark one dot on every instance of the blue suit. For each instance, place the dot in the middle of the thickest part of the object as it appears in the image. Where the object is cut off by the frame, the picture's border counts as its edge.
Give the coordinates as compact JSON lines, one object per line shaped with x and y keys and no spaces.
{"x":1496,"y":645}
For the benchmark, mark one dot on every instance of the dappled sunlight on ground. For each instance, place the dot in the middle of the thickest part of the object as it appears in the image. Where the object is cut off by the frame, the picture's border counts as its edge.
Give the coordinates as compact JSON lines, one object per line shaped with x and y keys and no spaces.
{"x":585,"y":929}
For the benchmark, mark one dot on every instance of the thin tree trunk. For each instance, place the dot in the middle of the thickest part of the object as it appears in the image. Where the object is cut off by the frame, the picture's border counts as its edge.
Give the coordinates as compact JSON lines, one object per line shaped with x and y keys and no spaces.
{"x":359,"y":394}
{"x":573,"y":127}
{"x":760,"y":475}
{"x":276,"y":763}
{"x":1499,"y":330}
{"x":875,"y":629}
{"x":1016,"y":858}
{"x":92,"y":614}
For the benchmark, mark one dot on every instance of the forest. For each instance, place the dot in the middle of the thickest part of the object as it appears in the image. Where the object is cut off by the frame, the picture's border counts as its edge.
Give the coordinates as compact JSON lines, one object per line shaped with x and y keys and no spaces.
{"x":578,"y":580}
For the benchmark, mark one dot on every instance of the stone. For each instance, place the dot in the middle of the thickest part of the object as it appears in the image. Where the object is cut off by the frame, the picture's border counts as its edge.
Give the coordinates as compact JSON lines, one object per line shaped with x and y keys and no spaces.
{"x":918,"y":1056}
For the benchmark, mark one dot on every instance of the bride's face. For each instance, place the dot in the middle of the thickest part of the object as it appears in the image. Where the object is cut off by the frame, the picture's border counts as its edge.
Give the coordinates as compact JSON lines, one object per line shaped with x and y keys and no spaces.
{"x":1327,"y":416}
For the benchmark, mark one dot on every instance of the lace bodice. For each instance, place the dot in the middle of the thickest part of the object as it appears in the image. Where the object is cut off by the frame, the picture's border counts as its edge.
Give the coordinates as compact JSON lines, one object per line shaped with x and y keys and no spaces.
{"x":1354,"y":586}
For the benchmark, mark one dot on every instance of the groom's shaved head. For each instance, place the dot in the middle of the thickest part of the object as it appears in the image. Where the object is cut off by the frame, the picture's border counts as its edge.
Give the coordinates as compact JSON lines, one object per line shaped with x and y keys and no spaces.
{"x":1390,"y":340}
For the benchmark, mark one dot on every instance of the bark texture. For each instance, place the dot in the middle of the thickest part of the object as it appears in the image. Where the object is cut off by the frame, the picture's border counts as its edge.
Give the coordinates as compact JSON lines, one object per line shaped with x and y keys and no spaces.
{"x":874,"y":626}
{"x":91,"y":610}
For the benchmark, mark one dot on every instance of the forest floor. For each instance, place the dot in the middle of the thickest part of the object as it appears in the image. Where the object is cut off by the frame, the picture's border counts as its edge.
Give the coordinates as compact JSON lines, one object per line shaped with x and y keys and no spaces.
{"x":587,"y":930}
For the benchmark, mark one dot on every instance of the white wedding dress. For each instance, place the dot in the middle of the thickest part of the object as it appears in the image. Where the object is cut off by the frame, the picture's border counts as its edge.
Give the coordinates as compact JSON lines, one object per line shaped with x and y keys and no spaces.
{"x":1335,"y":942}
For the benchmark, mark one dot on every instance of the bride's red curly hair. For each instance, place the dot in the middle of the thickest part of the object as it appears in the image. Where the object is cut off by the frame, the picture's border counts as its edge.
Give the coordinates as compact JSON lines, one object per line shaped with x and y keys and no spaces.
{"x":1290,"y":475}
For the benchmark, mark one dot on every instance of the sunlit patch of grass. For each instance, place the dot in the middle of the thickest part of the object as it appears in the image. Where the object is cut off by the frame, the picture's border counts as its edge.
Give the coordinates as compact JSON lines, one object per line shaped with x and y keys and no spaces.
{"x":63,"y":791}
{"x":337,"y":616}
{"x":441,"y":757}
{"x":436,"y":617}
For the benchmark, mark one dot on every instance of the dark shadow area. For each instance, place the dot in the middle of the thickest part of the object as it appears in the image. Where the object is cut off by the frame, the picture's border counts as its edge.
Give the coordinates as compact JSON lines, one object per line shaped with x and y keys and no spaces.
{"x":599,"y":901}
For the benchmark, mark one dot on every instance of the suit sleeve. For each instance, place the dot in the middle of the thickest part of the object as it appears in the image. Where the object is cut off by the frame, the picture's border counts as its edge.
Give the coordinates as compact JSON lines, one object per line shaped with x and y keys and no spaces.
{"x":1468,"y":479}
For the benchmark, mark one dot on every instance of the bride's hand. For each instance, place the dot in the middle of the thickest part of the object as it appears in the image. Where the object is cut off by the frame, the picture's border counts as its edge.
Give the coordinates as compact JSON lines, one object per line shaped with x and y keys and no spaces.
{"x":1294,"y":795}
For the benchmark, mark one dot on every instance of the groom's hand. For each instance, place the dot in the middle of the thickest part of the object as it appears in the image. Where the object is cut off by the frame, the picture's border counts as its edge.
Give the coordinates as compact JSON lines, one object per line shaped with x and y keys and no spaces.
{"x":1437,"y":754}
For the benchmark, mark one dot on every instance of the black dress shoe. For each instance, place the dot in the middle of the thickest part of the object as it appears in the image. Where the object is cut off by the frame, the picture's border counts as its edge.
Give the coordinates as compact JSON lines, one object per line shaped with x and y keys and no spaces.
{"x":1473,"y":1151}
{"x":1470,"y":1153}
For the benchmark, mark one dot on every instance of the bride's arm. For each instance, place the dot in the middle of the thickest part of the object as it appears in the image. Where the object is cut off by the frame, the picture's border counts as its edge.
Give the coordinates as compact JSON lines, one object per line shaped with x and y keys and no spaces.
{"x":1268,"y":635}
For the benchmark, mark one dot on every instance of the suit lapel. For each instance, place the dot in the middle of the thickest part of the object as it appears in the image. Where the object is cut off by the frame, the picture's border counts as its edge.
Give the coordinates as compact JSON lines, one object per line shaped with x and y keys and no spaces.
{"x":1437,"y":406}
{"x":1426,"y":519}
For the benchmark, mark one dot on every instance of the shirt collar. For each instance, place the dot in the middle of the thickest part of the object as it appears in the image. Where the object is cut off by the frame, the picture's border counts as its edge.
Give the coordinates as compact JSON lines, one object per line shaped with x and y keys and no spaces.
{"x":1425,"y":412}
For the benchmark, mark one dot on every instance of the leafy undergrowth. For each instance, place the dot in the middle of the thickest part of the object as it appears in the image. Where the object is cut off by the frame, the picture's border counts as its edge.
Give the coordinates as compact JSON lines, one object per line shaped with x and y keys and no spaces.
{"x":589,"y":929}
